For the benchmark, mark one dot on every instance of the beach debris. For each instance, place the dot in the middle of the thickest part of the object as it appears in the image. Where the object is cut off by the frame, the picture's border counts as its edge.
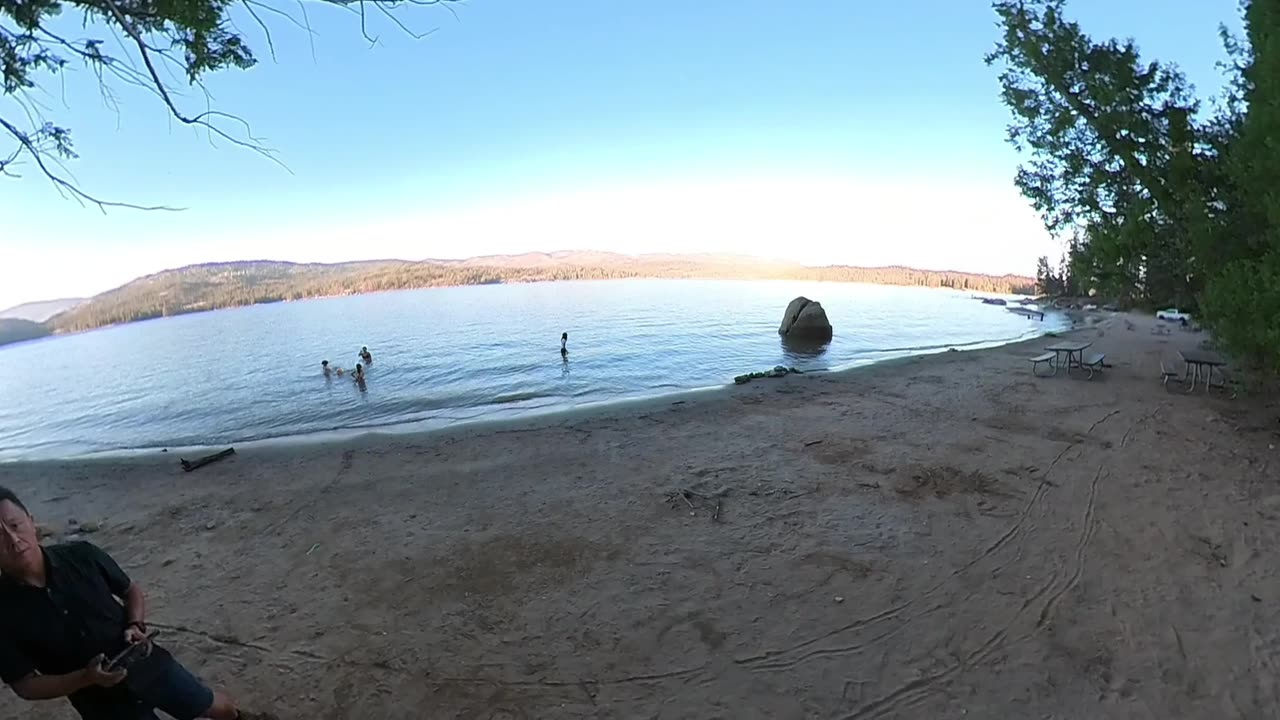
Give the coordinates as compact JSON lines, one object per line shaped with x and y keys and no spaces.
{"x":210,"y":525}
{"x":787,"y":493}
{"x":777,"y":372}
{"x":89,"y":527}
{"x":189,"y":465}
{"x":942,"y":481}
{"x":702,"y":498}
{"x":811,"y":443}
{"x":313,"y":548}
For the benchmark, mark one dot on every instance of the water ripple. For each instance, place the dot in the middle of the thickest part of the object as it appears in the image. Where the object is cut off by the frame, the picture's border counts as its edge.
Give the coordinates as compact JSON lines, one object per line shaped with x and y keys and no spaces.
{"x":445,"y":355}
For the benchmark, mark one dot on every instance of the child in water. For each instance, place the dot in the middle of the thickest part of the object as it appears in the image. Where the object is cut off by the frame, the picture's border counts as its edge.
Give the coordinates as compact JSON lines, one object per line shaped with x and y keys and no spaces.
{"x":564,"y":344}
{"x":358,"y":373}
{"x":324,"y":365}
{"x":365,"y":355}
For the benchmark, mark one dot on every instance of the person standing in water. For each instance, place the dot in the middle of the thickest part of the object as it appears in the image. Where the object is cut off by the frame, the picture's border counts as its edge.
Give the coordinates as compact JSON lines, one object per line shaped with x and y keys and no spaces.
{"x":365,"y":355}
{"x":324,"y":366}
{"x":564,"y":344}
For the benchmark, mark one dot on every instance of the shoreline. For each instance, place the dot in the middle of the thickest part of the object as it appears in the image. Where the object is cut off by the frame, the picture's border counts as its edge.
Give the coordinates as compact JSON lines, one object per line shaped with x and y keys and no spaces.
{"x":520,"y":419}
{"x":748,"y":277}
{"x":939,"y":536}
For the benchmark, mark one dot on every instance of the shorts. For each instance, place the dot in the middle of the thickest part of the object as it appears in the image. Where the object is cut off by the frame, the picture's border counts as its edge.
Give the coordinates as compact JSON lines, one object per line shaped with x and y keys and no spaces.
{"x":157,"y":683}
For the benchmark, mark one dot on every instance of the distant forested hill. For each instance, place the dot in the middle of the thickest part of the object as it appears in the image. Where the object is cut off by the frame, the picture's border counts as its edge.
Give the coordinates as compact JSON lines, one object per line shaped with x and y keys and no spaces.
{"x":13,"y":330}
{"x":221,"y":285}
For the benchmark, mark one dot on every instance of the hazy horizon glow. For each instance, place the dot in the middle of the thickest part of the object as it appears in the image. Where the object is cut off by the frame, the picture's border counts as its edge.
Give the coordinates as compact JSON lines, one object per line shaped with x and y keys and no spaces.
{"x":840,"y":134}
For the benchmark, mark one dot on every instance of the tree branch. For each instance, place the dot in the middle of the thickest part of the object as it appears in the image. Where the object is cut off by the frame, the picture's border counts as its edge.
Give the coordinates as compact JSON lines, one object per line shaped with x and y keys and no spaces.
{"x":145,"y":51}
{"x":189,"y":41}
{"x":63,"y":185}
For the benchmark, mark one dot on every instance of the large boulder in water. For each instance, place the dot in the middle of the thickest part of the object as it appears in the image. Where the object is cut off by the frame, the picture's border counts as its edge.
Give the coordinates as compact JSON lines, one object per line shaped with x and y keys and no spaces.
{"x":805,"y":320}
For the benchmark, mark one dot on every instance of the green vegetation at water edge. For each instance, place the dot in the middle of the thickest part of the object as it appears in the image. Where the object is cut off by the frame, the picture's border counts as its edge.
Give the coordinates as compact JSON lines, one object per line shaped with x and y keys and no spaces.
{"x":1160,"y":199}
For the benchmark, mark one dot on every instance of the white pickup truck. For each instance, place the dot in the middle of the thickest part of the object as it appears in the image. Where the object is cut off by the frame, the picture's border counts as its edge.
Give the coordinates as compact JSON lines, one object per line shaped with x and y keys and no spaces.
{"x":1173,"y":315}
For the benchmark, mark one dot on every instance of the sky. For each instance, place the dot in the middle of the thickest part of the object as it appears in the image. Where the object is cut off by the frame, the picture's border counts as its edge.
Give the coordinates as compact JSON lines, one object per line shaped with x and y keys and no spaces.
{"x":828,"y":132}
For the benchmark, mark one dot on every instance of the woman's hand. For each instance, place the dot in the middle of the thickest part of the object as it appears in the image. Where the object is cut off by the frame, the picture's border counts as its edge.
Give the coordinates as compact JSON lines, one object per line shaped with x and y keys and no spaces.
{"x":134,"y":635}
{"x":96,"y":674}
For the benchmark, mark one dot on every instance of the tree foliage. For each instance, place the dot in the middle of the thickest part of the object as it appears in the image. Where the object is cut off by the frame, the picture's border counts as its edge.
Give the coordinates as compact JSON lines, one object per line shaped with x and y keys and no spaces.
{"x":1055,"y":283}
{"x":1116,"y":155}
{"x":1162,"y":201}
{"x":1242,"y":302}
{"x":142,"y":44}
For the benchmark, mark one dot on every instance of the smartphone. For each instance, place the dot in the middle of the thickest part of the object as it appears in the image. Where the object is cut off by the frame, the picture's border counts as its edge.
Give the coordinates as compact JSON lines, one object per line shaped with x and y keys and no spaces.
{"x":130,"y":655}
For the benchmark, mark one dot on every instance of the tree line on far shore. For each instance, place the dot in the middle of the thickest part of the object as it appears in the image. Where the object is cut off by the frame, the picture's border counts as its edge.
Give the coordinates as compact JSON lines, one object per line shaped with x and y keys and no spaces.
{"x":1161,"y":199}
{"x":209,"y":287}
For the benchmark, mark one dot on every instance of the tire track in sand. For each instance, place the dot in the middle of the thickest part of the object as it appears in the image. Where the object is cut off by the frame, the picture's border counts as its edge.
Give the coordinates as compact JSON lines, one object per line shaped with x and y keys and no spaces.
{"x":773,"y":659}
{"x":916,"y":691}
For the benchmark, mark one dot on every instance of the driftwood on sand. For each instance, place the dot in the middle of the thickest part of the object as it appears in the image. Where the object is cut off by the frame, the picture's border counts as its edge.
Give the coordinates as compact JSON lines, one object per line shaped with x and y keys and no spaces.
{"x":189,"y":465}
{"x":707,"y":497}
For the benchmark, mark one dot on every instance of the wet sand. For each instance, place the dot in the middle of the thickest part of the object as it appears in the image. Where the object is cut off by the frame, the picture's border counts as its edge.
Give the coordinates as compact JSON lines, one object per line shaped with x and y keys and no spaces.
{"x":942,"y":537}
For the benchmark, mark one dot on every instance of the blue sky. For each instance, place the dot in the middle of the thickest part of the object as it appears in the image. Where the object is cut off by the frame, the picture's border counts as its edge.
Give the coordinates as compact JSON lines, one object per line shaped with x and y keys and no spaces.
{"x":833,"y":131}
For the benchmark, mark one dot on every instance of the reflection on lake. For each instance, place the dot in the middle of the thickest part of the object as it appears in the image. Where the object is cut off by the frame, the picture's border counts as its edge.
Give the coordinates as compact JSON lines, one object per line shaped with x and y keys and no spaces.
{"x":448,"y":355}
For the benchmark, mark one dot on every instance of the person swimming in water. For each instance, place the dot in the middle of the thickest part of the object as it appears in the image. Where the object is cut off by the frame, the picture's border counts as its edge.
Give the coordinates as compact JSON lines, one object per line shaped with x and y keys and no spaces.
{"x":365,"y":355}
{"x":564,"y":344}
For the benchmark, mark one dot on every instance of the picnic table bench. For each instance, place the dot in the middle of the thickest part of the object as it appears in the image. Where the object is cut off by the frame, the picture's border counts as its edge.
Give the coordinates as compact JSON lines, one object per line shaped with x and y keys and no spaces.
{"x":1040,"y":359}
{"x":1093,"y":363}
{"x":1201,"y":363}
{"x":1073,"y":353}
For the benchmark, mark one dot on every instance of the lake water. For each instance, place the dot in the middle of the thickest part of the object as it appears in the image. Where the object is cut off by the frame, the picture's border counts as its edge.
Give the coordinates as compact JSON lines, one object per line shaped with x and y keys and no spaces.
{"x":447,"y":355}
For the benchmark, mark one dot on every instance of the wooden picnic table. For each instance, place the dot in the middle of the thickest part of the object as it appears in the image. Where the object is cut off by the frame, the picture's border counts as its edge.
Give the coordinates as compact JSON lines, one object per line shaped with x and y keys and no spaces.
{"x":1200,"y":363}
{"x":1073,"y":351}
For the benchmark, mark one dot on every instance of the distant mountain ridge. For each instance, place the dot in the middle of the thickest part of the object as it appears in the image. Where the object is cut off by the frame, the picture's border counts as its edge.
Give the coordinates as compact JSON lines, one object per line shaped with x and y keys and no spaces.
{"x":39,"y":311}
{"x":211,"y":286}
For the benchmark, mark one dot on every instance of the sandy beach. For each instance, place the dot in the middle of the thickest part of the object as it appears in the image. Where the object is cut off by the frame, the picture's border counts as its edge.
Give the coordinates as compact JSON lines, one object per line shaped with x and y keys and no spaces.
{"x":943,"y":537}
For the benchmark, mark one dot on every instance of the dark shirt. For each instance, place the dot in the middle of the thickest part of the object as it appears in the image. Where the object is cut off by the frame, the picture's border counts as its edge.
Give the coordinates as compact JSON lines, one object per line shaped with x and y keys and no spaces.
{"x":59,"y":628}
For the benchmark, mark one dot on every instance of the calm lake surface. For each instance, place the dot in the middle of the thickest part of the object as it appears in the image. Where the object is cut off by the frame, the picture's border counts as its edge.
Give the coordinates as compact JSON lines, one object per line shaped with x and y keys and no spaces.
{"x":448,"y":355}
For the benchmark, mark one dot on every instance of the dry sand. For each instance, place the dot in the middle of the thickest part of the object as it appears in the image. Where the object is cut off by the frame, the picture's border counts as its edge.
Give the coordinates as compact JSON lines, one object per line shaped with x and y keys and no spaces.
{"x":946,"y":537}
